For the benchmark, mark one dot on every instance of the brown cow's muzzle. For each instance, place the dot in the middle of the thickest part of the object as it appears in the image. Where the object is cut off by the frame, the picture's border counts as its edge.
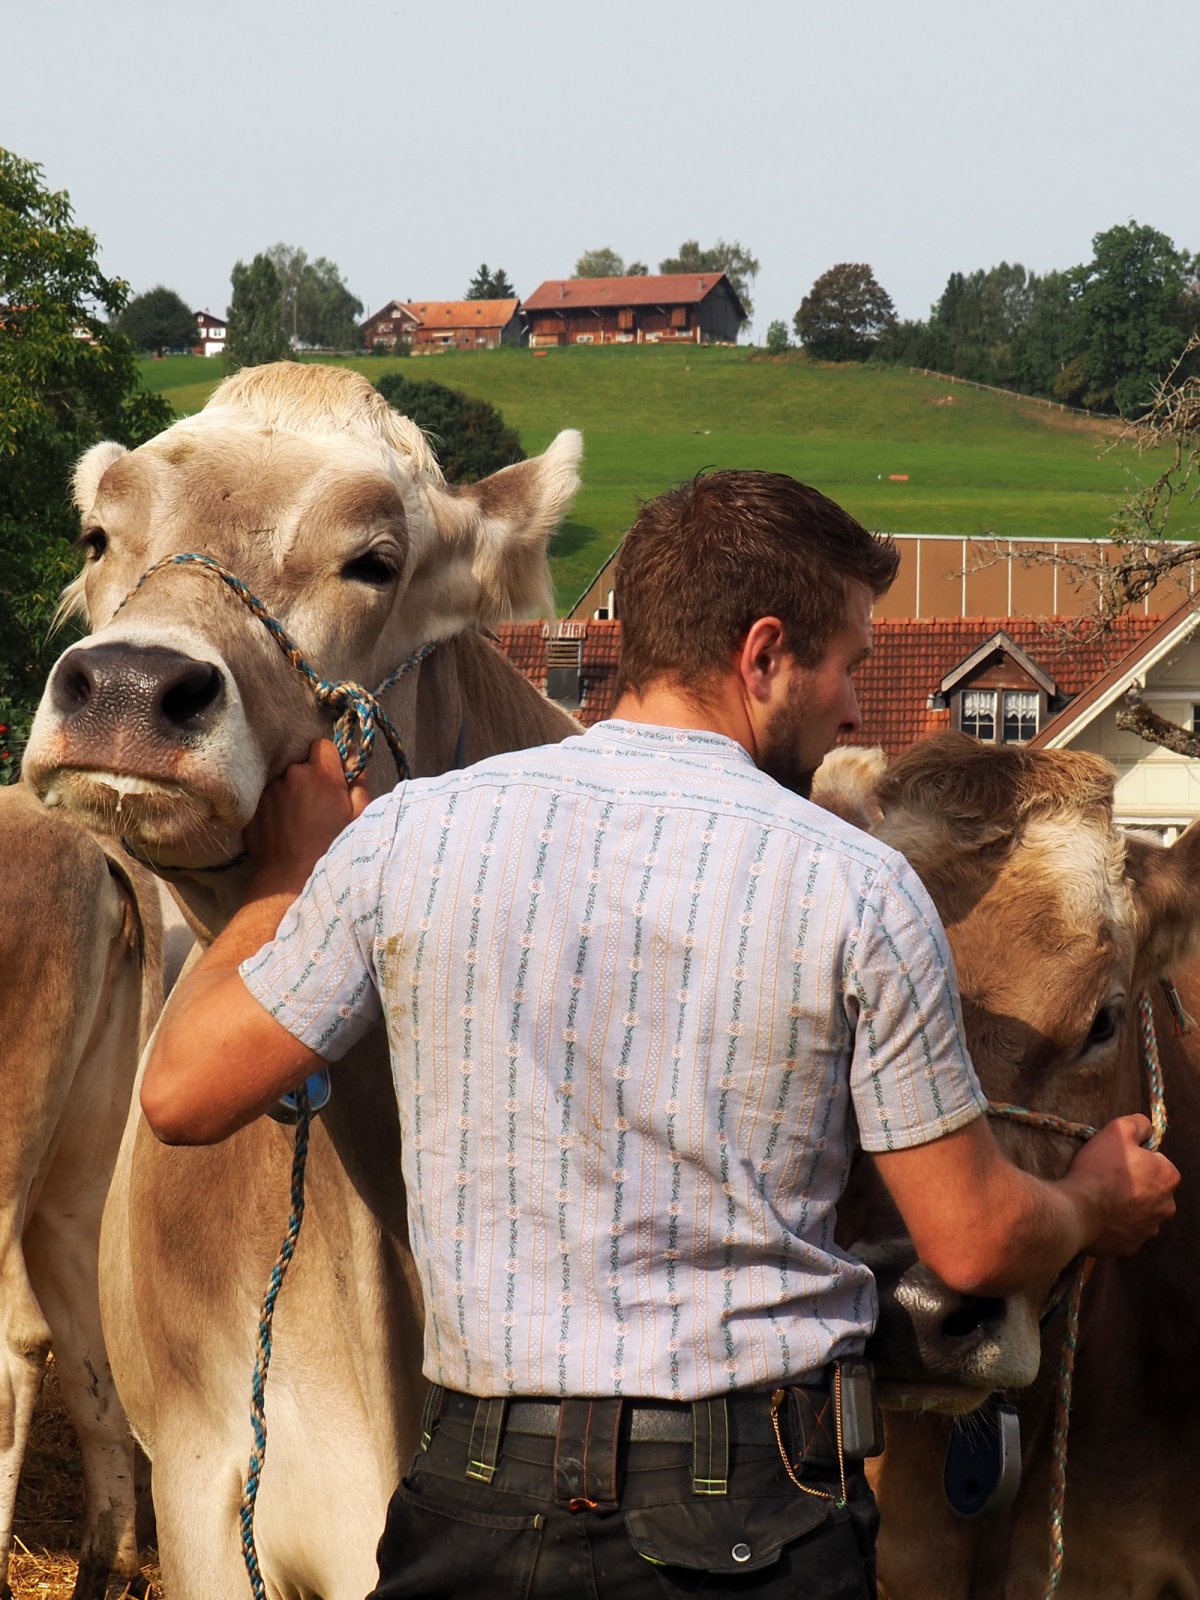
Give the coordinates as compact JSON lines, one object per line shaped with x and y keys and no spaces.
{"x":105,"y":694}
{"x":937,"y":1350}
{"x":149,"y":742}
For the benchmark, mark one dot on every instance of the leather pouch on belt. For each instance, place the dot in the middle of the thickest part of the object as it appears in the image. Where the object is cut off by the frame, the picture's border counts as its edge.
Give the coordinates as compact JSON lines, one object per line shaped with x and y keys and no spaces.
{"x":811,"y":1427}
{"x":721,"y":1535}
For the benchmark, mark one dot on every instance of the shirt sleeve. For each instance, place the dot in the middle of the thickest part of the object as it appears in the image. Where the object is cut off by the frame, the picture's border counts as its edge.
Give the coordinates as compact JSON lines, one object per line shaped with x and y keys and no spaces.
{"x":317,"y":976}
{"x":911,"y":1076}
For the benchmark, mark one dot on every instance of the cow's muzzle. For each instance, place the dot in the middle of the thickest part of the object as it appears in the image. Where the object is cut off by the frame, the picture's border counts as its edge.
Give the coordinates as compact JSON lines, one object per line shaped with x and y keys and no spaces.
{"x":102,"y":692}
{"x":937,"y":1349}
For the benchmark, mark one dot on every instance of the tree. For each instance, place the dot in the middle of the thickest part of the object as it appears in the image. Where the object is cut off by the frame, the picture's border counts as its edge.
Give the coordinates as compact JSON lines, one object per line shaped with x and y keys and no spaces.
{"x":602,"y":263}
{"x":1040,"y":346}
{"x":731,"y":258}
{"x":606,"y":263}
{"x":1005,"y":326}
{"x":777,"y":339}
{"x":317,"y":308}
{"x":1129,"y":316}
{"x":1154,"y":534}
{"x":845,"y":313}
{"x":158,"y":320}
{"x":67,"y":380}
{"x":487,"y":285}
{"x":471,"y":437}
{"x":255,"y":316}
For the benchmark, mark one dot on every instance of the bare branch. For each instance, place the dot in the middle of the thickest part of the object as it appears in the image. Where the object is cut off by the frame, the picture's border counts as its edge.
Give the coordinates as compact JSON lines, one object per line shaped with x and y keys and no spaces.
{"x":1154,"y":729}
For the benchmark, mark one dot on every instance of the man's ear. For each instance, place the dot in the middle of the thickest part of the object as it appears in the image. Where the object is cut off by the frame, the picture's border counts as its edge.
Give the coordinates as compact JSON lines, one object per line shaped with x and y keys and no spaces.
{"x":762,"y":657}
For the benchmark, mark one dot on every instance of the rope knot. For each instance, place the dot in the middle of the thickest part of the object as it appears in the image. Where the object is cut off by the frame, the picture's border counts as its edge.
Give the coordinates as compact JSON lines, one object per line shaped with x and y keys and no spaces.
{"x":358,"y":715}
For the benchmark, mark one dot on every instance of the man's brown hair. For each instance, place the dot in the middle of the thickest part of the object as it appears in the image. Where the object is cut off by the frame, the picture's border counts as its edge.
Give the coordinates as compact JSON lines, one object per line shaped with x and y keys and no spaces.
{"x":704,"y":561}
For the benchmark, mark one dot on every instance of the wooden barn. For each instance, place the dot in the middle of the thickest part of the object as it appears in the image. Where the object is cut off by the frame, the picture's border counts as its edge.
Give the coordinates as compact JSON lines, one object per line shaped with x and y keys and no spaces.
{"x":689,"y":307}
{"x":427,"y":325}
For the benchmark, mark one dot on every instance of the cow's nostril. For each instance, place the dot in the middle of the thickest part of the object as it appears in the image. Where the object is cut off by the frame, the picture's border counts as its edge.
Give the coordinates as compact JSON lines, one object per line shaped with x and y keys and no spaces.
{"x":971,"y":1315}
{"x":73,"y":688}
{"x":192,"y":692}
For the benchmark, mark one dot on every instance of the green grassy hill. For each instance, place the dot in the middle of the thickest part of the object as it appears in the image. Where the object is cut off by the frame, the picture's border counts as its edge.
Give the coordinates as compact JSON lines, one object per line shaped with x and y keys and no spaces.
{"x":650,"y":416}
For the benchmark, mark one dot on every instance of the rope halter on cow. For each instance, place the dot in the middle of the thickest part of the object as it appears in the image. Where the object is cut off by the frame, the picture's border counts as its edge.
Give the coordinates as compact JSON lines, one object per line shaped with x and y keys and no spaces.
{"x":359,"y":714}
{"x":1076,"y":1277}
{"x":357,"y":710}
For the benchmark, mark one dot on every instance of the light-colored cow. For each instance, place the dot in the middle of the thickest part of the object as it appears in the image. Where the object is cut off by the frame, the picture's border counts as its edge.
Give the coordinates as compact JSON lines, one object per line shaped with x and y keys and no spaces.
{"x":1057,"y":923}
{"x":80,"y":950}
{"x":167,"y":721}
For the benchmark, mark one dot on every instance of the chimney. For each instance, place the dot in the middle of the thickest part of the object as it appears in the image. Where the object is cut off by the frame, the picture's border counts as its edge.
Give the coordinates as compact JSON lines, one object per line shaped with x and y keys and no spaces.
{"x":564,"y":664}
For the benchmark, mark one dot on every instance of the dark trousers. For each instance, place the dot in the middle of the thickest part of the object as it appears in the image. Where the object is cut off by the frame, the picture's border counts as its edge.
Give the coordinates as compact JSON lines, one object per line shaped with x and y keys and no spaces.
{"x":594,"y":1514}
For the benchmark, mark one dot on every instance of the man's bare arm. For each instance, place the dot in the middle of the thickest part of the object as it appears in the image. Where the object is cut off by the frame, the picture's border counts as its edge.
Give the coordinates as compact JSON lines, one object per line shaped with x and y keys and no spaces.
{"x":987,"y":1227}
{"x":219,"y":1059}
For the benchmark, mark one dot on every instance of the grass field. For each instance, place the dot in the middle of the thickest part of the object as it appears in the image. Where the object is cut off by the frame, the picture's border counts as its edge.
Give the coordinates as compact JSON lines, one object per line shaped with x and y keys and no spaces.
{"x":650,"y":416}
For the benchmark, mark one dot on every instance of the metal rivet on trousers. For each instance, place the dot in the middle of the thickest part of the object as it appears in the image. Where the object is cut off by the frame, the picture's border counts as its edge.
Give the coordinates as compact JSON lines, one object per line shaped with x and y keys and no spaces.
{"x":741,"y":1552}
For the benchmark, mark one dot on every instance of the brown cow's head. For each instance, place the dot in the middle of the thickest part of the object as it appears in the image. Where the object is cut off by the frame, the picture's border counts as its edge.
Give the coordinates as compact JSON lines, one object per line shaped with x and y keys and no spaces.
{"x":1056,"y":921}
{"x":166,"y":721}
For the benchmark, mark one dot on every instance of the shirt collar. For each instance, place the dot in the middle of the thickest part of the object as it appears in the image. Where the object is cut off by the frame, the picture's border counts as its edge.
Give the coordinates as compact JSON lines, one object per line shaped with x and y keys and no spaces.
{"x":653,"y":740}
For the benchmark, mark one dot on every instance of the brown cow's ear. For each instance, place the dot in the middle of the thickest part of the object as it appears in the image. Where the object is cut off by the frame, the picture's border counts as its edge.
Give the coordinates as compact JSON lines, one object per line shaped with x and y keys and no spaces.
{"x":90,"y":468}
{"x":1166,"y":889}
{"x":503,"y":525}
{"x":847,"y":783}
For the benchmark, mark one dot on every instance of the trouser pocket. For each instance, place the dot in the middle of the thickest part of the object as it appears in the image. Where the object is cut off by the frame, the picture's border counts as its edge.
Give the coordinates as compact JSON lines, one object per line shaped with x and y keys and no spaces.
{"x":769,"y":1548}
{"x":433,"y":1545}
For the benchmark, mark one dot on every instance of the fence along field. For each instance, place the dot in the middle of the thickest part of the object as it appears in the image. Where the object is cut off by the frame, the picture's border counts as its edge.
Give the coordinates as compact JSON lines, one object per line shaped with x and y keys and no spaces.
{"x":976,"y":461}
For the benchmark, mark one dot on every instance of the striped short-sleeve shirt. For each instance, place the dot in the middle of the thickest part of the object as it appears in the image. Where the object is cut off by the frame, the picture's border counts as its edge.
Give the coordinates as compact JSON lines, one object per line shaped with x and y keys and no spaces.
{"x":642,"y":1004}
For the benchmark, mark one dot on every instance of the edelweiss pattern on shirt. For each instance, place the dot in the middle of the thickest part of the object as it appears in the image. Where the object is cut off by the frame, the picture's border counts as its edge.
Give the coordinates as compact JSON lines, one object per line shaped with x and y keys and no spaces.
{"x":641,"y":1003}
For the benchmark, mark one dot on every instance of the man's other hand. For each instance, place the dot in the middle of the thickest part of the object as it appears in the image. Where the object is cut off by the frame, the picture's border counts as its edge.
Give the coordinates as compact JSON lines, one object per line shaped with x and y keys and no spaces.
{"x":299,"y":816}
{"x":1131,"y":1189}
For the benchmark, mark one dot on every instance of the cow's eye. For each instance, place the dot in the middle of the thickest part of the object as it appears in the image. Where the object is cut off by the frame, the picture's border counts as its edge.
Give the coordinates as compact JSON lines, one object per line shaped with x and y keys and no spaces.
{"x":1104,"y":1027}
{"x":371,"y":567}
{"x":93,"y":542}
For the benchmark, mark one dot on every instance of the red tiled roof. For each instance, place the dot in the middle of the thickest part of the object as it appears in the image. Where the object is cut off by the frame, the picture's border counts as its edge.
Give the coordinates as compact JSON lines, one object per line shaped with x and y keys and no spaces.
{"x":462,"y":313}
{"x":911,"y":657}
{"x":673,"y":288}
{"x":909,"y":660}
{"x":524,"y":643}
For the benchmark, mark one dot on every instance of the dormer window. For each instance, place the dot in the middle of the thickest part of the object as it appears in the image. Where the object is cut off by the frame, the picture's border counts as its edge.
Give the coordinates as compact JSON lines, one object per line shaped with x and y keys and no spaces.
{"x":998,"y":694}
{"x":999,"y":716}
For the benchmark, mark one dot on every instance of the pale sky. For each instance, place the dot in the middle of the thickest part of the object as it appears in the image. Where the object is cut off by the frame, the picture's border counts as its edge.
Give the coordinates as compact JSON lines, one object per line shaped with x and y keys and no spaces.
{"x":411,"y":143}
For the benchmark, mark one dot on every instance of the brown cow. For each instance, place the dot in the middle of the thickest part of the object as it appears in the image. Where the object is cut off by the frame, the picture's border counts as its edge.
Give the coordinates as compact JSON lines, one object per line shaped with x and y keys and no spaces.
{"x":165,"y":723}
{"x":1057,"y":923}
{"x":81,"y":954}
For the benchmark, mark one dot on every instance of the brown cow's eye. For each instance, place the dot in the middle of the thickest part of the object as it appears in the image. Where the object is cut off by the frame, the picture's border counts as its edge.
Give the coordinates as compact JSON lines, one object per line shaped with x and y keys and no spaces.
{"x":371,"y":567}
{"x":1104,"y":1027}
{"x":93,"y":542}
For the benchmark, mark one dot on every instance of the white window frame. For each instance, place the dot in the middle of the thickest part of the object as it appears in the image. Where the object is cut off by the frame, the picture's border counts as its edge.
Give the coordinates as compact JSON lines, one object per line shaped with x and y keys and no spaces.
{"x":979,"y":696}
{"x":1007,"y":699}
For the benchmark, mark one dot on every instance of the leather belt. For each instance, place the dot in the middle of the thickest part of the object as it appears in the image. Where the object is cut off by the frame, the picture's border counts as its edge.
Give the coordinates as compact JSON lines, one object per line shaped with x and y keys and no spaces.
{"x":809,"y":1412}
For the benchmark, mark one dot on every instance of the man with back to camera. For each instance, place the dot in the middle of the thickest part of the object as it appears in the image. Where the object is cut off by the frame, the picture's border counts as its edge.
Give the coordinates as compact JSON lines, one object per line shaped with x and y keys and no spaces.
{"x":652,"y":1004}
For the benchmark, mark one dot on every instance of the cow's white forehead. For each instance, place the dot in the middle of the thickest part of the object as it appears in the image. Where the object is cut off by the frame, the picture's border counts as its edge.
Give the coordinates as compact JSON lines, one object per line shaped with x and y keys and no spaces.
{"x":1082,"y":864}
{"x":230,"y":427}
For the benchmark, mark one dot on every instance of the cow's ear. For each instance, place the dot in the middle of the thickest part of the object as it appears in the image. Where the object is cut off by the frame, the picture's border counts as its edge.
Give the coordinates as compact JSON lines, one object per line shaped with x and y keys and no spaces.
{"x":1166,"y":891}
{"x":90,"y":468}
{"x":503,"y":524}
{"x":847,"y":783}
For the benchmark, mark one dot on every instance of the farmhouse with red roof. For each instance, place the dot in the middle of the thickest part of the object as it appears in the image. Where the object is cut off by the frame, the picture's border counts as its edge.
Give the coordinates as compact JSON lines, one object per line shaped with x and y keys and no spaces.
{"x":693,"y":307}
{"x":427,"y":325}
